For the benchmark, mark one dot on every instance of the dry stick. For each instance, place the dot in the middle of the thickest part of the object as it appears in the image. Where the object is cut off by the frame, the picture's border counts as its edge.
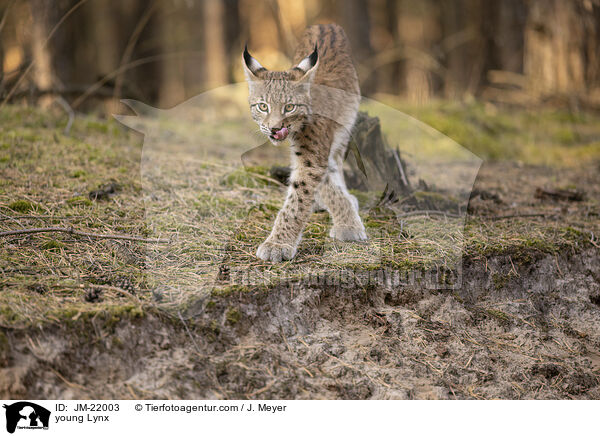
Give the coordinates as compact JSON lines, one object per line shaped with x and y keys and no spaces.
{"x":52,"y":32}
{"x":79,"y":233}
{"x":524,"y":215}
{"x":63,"y":103}
{"x":400,"y":167}
{"x":428,"y":212}
{"x":54,"y":217}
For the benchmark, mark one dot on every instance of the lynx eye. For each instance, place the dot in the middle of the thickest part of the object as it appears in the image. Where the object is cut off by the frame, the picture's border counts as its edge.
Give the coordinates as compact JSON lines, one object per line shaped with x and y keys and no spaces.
{"x":289,"y":108}
{"x":263,"y":107}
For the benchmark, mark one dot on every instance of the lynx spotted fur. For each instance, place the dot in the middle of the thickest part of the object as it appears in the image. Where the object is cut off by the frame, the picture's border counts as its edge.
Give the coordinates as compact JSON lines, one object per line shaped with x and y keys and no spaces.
{"x":314,"y":103}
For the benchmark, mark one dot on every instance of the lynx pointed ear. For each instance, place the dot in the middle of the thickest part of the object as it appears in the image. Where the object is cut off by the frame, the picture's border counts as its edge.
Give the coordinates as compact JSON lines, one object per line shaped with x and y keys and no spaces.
{"x":309,"y":66}
{"x":251,"y":65}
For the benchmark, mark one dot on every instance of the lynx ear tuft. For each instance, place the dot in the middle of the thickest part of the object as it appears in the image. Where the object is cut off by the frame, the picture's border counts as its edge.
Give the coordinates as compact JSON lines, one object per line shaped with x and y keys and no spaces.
{"x":309,"y":61}
{"x":309,"y":65}
{"x":251,"y":65}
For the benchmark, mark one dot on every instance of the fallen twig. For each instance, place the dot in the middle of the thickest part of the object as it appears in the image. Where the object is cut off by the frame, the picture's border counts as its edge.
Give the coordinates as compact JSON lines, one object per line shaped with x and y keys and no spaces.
{"x":63,"y":103}
{"x":80,"y":233}
{"x":54,"y":217}
{"x":428,"y":212}
{"x":522,"y":215}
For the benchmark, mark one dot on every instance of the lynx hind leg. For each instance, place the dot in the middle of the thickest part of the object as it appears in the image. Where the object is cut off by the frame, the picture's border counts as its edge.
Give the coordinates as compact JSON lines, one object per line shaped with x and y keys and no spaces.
{"x":342,"y":206}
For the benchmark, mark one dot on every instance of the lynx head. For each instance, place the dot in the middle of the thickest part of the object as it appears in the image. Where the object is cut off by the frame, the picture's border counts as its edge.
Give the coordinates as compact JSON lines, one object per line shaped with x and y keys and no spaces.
{"x":280,"y":100}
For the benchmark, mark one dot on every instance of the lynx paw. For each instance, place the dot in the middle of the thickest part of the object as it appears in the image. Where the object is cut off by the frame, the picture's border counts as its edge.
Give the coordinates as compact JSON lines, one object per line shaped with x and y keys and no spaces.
{"x":347,"y":233}
{"x":275,"y":252}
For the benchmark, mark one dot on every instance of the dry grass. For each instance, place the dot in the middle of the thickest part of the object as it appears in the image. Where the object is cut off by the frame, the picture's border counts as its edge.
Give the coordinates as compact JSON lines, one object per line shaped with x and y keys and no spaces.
{"x":214,"y":212}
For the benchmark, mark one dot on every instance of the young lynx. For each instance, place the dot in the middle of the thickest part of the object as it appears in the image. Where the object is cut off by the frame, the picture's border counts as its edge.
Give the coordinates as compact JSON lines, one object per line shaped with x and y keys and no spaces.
{"x":314,"y":104}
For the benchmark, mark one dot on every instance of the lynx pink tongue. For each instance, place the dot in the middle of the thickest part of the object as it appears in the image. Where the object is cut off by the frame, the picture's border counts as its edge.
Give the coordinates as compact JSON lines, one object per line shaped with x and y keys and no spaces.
{"x":281,"y":134}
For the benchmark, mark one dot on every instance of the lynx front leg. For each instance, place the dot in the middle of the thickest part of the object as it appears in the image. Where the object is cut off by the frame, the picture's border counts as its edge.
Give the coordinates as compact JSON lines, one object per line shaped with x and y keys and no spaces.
{"x":283,"y":241}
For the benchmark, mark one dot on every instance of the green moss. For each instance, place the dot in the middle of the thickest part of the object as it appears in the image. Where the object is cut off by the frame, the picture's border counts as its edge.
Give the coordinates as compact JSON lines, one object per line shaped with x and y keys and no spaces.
{"x":565,"y":136}
{"x":80,"y":200}
{"x":52,"y":245}
{"x":233,"y":316}
{"x":78,"y":173}
{"x":10,"y":316}
{"x":498,"y":133}
{"x":22,"y":206}
{"x":108,"y":315}
{"x":214,"y":327}
{"x":210,"y":304}
{"x":242,"y":237}
{"x":97,"y":126}
{"x":228,"y":290}
{"x":257,"y":169}
{"x":574,"y":234}
{"x":249,"y":177}
{"x":315,"y":230}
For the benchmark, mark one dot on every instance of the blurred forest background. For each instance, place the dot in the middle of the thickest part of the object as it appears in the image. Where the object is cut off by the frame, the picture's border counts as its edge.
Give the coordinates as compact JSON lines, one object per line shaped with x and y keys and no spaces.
{"x":521,"y":52}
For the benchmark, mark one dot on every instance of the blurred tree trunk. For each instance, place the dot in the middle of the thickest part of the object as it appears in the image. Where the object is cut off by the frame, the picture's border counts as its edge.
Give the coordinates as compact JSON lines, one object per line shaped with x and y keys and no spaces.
{"x":355,"y":20}
{"x":419,"y":33}
{"x":262,"y":29}
{"x":2,"y":9}
{"x":105,"y":32}
{"x":233,"y":38}
{"x":381,"y":68}
{"x":40,"y":52}
{"x":561,"y":46}
{"x":172,"y":88}
{"x":592,"y":45}
{"x":508,"y":19}
{"x":464,"y":45}
{"x":214,"y":43}
{"x":291,"y":20}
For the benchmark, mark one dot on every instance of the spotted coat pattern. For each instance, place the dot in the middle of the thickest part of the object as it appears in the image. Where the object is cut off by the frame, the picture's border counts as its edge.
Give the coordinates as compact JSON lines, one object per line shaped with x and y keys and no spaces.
{"x":322,"y":88}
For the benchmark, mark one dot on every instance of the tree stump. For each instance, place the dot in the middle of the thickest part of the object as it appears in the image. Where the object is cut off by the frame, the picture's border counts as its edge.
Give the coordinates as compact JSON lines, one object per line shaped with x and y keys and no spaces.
{"x":369,"y":163}
{"x":373,"y":161}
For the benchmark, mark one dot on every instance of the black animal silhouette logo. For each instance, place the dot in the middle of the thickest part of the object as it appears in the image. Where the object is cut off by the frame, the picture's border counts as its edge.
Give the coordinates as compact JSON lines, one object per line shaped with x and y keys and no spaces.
{"x":26,"y":415}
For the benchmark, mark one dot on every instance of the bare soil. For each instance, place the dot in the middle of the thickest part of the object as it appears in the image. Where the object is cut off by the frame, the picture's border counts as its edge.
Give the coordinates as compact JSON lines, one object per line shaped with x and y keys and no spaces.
{"x":535,"y":335}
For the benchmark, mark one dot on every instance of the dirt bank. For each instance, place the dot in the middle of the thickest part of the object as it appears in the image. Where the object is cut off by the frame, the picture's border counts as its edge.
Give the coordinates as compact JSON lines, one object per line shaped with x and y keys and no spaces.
{"x":517,"y":329}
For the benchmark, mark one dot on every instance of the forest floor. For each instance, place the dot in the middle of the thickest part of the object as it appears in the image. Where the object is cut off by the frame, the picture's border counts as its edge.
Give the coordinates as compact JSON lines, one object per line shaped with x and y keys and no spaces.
{"x":90,"y":317}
